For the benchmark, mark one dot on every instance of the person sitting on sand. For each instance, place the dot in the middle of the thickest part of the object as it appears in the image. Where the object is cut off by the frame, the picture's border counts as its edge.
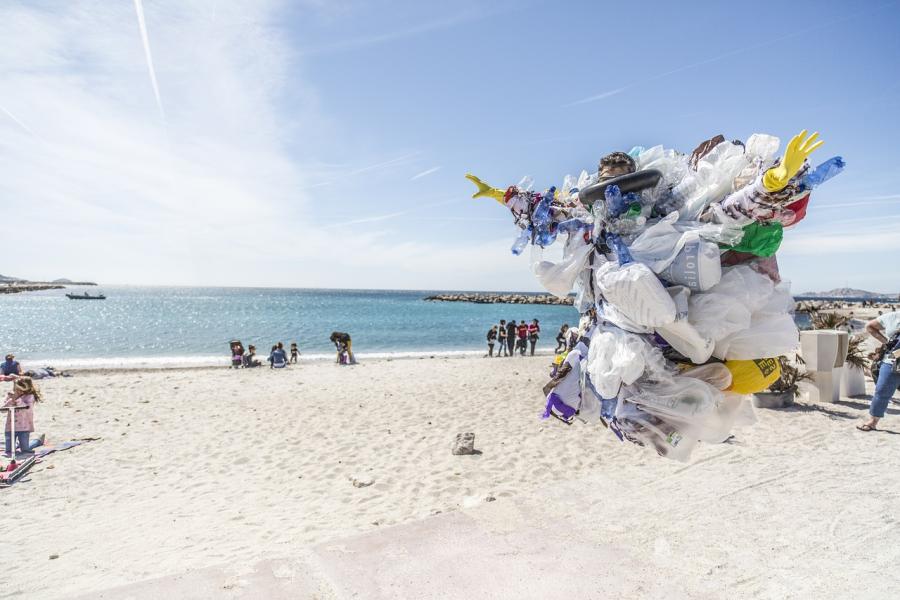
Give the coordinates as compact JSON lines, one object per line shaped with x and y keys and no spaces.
{"x":885,"y":329}
{"x":491,"y":338}
{"x":295,"y":353}
{"x":250,"y":359}
{"x":343,"y":343}
{"x":278,"y":358}
{"x":501,"y":338}
{"x":11,"y":366}
{"x":23,"y":396}
{"x":561,"y":343}
{"x":564,"y":389}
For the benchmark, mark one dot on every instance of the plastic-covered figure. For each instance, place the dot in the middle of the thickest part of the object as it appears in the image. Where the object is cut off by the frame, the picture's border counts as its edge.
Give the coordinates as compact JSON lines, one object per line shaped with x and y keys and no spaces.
{"x":672,"y":258}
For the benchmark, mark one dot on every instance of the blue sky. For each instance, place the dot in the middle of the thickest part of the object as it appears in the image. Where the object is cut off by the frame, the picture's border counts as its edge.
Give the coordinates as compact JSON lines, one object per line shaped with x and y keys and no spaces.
{"x":323,"y":143}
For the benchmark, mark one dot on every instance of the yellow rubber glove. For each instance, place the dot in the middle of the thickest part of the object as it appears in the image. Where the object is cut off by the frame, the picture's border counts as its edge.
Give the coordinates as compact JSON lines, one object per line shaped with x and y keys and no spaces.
{"x":486,"y":191}
{"x":797,"y":151}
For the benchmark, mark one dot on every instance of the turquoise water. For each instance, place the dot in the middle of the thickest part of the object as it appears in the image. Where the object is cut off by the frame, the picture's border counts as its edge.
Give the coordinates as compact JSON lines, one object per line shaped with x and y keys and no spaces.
{"x":146,"y":326}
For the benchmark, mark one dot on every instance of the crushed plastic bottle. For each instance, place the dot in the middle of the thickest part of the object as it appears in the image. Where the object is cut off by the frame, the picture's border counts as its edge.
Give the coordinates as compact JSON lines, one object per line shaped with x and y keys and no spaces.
{"x":825,"y":171}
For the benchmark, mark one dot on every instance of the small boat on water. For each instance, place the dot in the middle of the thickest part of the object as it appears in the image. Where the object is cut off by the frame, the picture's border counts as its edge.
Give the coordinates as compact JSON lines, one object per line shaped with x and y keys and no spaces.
{"x":85,"y":296}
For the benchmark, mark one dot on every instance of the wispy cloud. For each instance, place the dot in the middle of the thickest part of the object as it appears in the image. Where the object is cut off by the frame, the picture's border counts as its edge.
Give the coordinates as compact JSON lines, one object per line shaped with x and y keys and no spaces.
{"x":822,"y":24}
{"x":596,"y":97}
{"x":394,"y":162}
{"x":425,"y":173}
{"x":465,"y":16}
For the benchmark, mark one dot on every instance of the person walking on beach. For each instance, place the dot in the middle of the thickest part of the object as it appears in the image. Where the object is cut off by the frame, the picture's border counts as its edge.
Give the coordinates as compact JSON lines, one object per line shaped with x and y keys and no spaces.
{"x":11,"y":366}
{"x":295,"y":353}
{"x":342,"y":342}
{"x":522,"y":337}
{"x":561,"y":343}
{"x":23,"y":397}
{"x":501,"y":338}
{"x":534,"y":332}
{"x":511,"y":337}
{"x":885,"y":329}
{"x":491,"y":338}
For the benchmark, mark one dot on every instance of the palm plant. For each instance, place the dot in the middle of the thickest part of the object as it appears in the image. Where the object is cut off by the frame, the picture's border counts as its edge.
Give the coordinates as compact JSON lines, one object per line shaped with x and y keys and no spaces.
{"x":856,"y":352}
{"x":791,"y":376}
{"x":828,"y":320}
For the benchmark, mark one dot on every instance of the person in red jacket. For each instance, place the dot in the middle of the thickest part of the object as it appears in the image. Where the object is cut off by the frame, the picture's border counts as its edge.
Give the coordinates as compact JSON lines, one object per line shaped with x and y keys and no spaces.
{"x":534,"y":332}
{"x":522,"y":337}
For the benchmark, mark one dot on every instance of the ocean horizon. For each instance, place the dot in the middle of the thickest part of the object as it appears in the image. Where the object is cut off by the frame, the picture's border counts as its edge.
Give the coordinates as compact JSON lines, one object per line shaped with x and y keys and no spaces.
{"x":166,"y":326}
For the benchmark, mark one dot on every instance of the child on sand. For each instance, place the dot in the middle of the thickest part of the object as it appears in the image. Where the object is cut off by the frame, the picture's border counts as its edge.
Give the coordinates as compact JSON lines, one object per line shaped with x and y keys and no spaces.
{"x":295,"y":353}
{"x":23,"y":396}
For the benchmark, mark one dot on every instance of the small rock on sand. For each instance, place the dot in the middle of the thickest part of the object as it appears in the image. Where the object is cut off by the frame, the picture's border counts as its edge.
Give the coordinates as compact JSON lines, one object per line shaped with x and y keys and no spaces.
{"x":464,"y":444}
{"x":361,"y":481}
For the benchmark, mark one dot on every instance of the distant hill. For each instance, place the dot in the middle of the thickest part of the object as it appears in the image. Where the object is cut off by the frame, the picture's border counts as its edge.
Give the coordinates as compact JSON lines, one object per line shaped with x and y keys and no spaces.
{"x":846,"y":293}
{"x":6,"y":279}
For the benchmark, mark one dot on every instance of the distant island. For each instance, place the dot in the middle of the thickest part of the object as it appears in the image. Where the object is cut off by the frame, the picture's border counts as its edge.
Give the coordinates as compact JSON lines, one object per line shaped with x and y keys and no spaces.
{"x":16,"y":285}
{"x":849,"y":293}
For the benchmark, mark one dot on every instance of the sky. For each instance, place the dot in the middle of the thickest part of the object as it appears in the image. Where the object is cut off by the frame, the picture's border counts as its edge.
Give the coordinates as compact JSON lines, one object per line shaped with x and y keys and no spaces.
{"x":323,"y":143}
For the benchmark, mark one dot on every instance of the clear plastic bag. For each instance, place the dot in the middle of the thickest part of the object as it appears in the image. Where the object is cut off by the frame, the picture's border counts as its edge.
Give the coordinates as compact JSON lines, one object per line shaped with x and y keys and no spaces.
{"x":715,"y":374}
{"x":616,"y":357}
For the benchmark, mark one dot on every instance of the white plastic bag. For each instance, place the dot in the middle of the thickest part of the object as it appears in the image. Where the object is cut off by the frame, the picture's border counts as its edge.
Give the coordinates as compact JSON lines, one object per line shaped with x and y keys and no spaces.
{"x":769,"y":334}
{"x":636,"y":293}
{"x":558,"y":278}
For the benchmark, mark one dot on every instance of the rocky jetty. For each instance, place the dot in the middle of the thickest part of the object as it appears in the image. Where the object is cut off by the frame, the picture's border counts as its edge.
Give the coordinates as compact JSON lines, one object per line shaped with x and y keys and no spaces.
{"x":485,"y":298}
{"x":15,"y":288}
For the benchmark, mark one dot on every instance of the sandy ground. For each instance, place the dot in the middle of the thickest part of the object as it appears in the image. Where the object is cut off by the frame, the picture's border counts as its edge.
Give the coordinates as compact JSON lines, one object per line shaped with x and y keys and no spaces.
{"x":210,"y":466}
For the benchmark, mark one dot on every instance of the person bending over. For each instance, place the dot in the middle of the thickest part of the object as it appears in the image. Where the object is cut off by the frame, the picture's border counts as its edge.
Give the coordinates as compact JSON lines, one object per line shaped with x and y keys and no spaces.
{"x":885,"y":329}
{"x":342,"y":342}
{"x":561,"y":343}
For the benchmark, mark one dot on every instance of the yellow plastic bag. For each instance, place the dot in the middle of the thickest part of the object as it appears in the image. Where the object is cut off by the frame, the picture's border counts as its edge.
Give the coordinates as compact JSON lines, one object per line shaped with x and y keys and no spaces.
{"x":751,"y":376}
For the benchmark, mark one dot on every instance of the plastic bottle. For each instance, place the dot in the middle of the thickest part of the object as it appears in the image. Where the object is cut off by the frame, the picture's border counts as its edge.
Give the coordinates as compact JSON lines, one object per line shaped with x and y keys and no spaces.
{"x":521,"y":241}
{"x":825,"y":171}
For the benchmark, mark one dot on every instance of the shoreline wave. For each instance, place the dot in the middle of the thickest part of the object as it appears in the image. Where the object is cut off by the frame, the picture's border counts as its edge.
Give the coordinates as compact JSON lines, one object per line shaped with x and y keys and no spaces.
{"x":198,"y":361}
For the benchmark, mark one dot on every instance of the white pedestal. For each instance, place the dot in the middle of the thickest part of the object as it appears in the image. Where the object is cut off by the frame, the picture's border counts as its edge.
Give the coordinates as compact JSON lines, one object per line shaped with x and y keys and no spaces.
{"x":824,"y":352}
{"x":853,"y":383}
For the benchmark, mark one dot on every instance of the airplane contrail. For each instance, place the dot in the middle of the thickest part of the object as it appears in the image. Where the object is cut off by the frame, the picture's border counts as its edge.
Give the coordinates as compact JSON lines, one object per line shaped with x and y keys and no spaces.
{"x":15,"y":120}
{"x":139,"y":8}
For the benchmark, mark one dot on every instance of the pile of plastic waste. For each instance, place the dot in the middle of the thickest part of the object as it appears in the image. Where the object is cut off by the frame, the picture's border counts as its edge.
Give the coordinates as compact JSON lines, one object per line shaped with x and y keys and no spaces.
{"x":672,"y":258}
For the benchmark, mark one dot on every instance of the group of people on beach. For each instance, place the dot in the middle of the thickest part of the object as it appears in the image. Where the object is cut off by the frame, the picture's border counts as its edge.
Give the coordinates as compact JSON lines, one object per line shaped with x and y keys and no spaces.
{"x":513,"y":338}
{"x":278,"y":356}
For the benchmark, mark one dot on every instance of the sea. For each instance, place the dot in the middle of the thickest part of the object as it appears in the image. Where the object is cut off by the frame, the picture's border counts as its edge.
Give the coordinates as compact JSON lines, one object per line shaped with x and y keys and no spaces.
{"x":145,"y":327}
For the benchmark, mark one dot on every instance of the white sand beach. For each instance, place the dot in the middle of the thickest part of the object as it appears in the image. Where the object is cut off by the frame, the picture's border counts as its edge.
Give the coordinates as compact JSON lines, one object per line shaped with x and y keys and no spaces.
{"x":201,"y":468}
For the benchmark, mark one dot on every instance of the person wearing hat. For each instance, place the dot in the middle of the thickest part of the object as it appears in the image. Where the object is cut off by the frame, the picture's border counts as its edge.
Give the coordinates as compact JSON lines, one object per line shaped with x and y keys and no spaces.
{"x":11,"y":366}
